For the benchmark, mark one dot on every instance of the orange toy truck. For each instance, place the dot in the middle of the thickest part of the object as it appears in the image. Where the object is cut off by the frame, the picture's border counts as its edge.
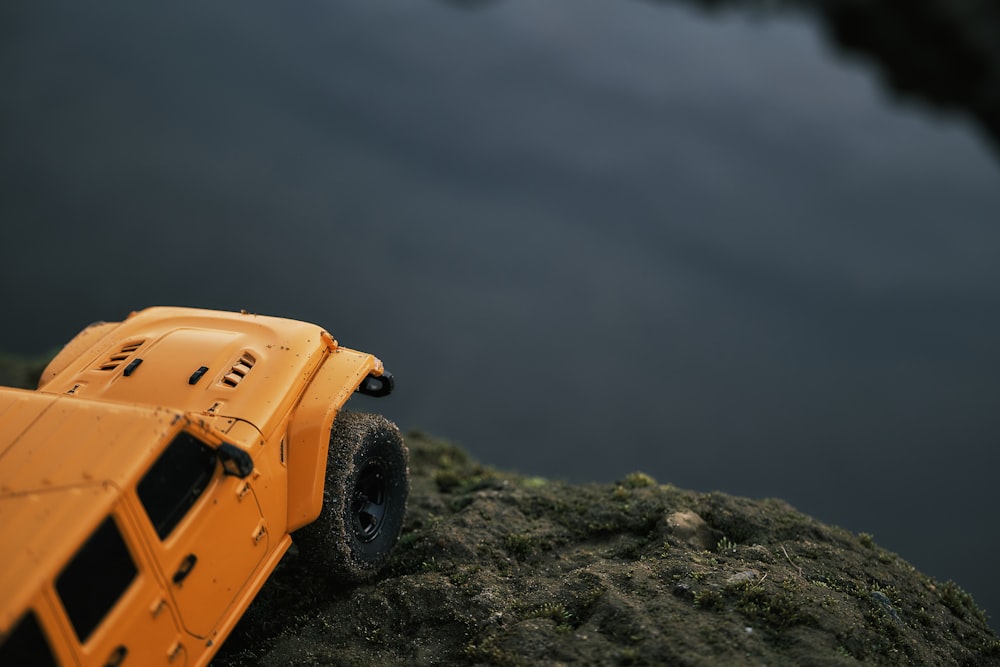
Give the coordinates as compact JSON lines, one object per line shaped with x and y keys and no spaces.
{"x":152,"y":483}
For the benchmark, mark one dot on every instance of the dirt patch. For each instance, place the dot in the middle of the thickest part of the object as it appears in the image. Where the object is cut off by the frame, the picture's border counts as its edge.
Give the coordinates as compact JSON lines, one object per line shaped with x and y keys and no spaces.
{"x":499,"y":569}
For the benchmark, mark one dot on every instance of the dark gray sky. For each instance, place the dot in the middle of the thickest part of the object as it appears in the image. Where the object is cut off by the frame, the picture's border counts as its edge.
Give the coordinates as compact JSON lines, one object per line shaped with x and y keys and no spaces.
{"x":626,"y":237}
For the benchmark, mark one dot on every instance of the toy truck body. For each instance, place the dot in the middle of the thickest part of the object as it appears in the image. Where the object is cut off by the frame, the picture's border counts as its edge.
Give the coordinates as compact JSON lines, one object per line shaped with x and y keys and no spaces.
{"x":151,"y":484}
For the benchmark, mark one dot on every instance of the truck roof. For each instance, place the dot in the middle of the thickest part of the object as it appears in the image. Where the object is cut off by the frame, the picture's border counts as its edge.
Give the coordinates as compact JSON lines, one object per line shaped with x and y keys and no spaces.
{"x":233,"y":364}
{"x":62,"y":466}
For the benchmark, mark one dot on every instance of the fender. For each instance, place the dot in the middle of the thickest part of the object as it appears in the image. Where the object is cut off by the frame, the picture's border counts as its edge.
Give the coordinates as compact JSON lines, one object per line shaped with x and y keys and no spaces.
{"x":341,"y":374}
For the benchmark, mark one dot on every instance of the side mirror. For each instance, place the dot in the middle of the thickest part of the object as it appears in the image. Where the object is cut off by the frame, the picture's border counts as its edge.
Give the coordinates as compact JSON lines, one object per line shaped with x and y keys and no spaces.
{"x":235,"y":461}
{"x":377,"y":385}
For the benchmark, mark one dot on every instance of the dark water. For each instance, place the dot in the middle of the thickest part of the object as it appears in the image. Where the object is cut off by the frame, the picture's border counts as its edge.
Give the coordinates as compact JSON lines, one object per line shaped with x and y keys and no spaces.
{"x":588,"y":237}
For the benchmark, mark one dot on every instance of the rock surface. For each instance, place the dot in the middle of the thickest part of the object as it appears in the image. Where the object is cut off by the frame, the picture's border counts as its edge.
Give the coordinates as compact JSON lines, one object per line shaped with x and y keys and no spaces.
{"x":498,"y":569}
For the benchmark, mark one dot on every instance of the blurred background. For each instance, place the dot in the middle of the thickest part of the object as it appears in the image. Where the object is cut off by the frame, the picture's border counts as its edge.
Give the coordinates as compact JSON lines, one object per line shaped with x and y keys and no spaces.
{"x":741,"y":246}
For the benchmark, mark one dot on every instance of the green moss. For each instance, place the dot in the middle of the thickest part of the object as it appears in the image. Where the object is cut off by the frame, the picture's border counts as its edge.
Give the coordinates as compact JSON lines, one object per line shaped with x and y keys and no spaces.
{"x":638,"y":480}
{"x":709,"y":599}
{"x":519,"y":545}
{"x":488,"y":653}
{"x":555,"y":612}
{"x":448,"y":480}
{"x":960,"y":603}
{"x":630,"y":656}
{"x":725,"y":544}
{"x":534,"y":482}
{"x":773,"y":607}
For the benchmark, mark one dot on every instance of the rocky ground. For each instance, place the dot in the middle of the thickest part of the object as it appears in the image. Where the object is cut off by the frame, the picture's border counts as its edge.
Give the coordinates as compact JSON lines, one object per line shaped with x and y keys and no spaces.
{"x":498,"y":569}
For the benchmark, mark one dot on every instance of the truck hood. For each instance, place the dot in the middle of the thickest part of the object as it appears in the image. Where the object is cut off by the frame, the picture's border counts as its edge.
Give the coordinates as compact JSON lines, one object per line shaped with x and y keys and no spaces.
{"x":201,"y":361}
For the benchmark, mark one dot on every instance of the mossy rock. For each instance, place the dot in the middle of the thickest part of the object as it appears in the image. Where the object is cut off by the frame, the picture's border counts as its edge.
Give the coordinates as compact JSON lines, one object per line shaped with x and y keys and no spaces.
{"x":499,"y":569}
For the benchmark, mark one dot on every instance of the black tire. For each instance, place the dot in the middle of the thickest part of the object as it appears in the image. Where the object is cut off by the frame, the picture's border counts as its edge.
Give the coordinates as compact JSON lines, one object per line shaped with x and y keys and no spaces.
{"x":364,"y":499}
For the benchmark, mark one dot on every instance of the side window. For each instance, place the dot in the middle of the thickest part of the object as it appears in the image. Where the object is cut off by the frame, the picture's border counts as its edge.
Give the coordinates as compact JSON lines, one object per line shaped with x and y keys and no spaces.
{"x":26,"y":645}
{"x":96,"y":578}
{"x":175,"y":482}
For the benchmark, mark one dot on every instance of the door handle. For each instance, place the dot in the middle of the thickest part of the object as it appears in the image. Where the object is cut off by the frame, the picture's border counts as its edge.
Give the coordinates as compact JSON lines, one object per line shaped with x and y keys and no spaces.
{"x":117,"y":656}
{"x":185,"y":569}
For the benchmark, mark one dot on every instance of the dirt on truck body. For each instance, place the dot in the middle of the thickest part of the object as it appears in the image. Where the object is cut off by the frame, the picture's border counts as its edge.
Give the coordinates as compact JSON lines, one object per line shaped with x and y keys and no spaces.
{"x":151,"y":484}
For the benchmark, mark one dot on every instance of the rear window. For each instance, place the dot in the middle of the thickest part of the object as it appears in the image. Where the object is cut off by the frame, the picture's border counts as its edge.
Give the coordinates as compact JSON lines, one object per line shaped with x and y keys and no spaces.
{"x":27,"y":645}
{"x":96,"y":578}
{"x":175,"y":482}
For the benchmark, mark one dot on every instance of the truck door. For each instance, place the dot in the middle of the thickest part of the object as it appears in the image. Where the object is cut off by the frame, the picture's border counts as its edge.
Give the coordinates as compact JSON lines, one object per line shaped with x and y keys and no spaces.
{"x":206,"y":529}
{"x":113,"y":601}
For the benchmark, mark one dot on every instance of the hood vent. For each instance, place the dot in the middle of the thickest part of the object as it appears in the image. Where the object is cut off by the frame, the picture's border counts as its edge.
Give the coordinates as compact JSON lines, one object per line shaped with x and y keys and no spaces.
{"x":238,"y":371}
{"x":116,"y":359}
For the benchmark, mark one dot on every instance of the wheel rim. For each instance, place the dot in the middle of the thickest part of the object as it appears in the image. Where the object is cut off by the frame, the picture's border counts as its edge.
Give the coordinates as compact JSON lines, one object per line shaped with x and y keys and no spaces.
{"x":368,"y":503}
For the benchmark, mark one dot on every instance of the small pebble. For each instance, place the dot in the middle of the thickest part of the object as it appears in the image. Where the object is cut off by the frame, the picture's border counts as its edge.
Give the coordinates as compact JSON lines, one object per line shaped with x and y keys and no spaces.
{"x":744,"y":576}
